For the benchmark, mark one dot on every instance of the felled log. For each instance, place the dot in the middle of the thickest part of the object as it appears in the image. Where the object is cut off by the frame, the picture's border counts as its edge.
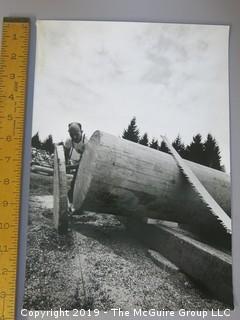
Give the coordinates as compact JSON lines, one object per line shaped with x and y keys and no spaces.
{"x":41,"y":169}
{"x":50,"y":171}
{"x":124,"y":178}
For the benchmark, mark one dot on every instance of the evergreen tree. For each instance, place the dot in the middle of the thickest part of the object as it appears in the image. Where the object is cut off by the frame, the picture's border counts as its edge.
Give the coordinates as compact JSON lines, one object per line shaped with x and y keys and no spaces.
{"x":36,"y":142}
{"x":144,"y":140}
{"x":132,"y":132}
{"x":163,"y":147}
{"x":179,"y":146}
{"x":212,"y":157}
{"x":154,"y":144}
{"x":48,"y":144}
{"x":223,"y":168}
{"x":195,"y":151}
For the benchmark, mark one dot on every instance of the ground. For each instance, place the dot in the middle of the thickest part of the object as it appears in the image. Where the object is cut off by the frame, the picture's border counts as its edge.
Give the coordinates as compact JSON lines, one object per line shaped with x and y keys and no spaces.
{"x":97,"y":265}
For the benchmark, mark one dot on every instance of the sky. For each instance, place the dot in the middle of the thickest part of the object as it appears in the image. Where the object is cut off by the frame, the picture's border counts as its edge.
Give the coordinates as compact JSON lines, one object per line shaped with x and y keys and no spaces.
{"x":172,"y":77}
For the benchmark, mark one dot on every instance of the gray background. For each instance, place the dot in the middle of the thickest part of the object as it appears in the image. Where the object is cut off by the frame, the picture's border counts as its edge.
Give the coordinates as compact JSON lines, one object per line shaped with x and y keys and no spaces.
{"x":180,"y":11}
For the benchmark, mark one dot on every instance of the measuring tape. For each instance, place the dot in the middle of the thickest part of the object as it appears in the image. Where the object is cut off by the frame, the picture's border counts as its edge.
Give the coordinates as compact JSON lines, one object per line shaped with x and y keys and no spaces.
{"x":13,"y":81}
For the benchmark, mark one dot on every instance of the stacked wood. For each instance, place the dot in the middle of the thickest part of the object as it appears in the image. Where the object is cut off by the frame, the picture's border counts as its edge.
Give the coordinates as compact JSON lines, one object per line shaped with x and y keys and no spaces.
{"x":49,"y":171}
{"x":120,"y":177}
{"x":42,"y":170}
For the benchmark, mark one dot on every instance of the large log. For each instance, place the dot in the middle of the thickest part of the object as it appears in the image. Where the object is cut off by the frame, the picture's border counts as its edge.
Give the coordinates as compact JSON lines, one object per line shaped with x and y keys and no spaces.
{"x":124,"y":178}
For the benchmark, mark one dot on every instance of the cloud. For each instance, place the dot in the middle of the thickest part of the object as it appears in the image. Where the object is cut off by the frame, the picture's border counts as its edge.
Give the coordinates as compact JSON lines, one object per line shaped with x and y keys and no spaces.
{"x":173,"y":78}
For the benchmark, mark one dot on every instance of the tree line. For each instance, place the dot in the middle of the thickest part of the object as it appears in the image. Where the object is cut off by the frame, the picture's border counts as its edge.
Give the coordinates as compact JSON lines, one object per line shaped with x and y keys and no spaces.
{"x":46,"y":145}
{"x":205,"y":152}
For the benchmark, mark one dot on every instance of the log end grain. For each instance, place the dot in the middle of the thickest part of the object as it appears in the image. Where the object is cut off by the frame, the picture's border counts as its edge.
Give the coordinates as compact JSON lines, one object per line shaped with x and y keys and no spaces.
{"x":86,"y":170}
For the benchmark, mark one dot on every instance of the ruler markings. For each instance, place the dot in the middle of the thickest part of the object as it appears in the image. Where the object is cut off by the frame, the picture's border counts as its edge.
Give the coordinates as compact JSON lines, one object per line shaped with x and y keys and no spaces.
{"x":13,"y":76}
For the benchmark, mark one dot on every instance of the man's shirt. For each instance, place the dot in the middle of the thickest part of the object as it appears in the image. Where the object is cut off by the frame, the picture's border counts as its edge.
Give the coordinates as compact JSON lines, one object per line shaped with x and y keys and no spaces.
{"x":75,"y":149}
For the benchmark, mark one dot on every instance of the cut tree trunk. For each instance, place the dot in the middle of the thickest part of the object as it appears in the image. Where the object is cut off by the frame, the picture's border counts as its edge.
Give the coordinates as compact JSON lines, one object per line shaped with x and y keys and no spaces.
{"x":120,"y":177}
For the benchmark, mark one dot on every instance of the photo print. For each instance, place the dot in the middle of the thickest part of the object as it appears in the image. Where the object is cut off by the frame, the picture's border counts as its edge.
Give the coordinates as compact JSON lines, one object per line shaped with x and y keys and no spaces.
{"x":129,"y":203}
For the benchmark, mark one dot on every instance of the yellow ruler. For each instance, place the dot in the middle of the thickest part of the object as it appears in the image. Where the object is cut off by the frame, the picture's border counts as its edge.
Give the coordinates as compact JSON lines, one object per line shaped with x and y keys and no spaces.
{"x":13,"y":81}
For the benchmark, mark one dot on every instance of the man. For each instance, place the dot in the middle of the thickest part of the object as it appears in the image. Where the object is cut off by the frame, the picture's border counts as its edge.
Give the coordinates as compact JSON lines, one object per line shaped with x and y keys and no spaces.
{"x":74,"y":148}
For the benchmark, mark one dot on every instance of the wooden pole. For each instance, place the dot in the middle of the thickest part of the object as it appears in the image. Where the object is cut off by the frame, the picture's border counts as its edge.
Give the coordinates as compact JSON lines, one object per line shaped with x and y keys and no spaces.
{"x":124,"y":178}
{"x":60,"y":200}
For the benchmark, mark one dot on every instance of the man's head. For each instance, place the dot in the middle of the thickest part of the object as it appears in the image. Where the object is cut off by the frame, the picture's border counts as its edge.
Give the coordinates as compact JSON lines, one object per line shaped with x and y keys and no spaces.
{"x":75,"y":131}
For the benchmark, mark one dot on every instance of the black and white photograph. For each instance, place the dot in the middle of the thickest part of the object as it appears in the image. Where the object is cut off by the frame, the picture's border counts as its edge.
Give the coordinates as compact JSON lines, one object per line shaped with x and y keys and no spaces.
{"x":130,"y":190}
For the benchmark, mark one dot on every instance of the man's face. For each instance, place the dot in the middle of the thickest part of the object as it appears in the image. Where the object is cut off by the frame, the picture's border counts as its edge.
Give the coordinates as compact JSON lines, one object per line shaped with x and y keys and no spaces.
{"x":76,"y":137}
{"x":75,"y":133}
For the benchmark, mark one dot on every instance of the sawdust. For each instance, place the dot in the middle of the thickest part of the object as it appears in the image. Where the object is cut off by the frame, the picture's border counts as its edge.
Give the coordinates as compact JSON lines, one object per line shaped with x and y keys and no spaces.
{"x":99,"y":265}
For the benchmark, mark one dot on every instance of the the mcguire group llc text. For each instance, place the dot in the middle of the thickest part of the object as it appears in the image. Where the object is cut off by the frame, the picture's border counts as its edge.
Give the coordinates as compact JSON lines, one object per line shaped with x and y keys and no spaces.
{"x":118,"y":313}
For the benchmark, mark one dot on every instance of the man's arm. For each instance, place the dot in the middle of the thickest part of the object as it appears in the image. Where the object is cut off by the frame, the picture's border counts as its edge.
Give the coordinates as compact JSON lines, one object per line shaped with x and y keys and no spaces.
{"x":67,"y":149}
